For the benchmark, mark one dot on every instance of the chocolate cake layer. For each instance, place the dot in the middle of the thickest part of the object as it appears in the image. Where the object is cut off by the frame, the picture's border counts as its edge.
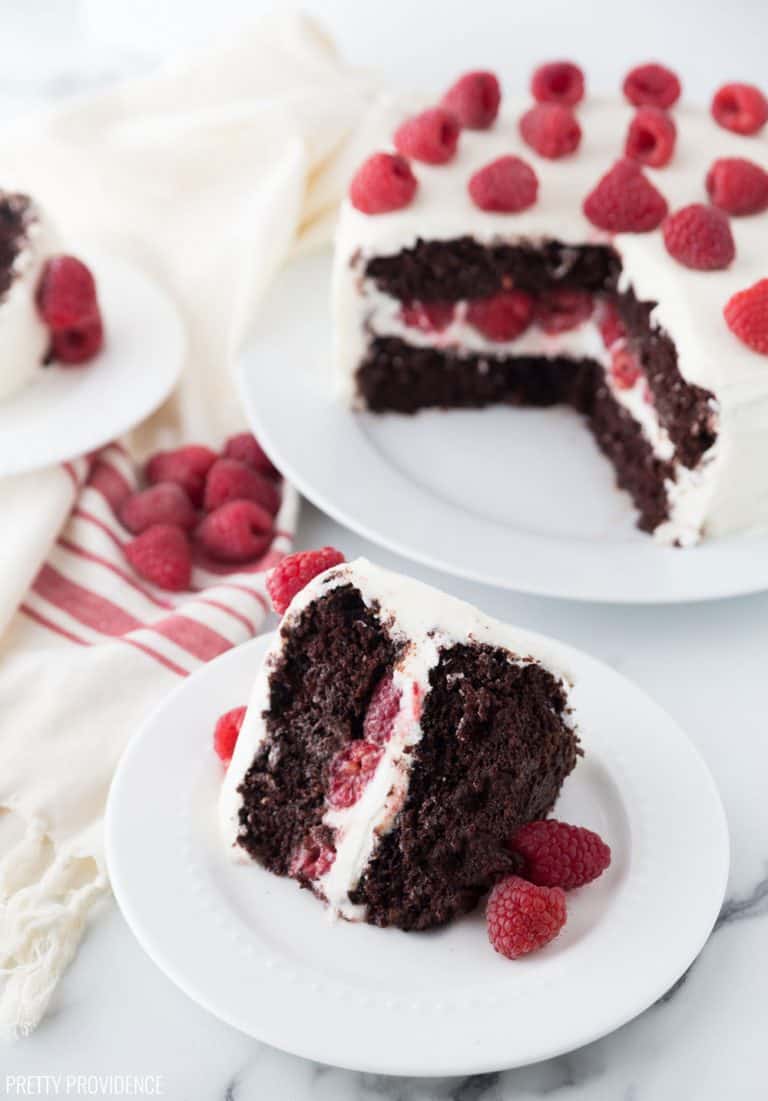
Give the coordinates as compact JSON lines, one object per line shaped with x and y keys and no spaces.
{"x":14,"y":215}
{"x":319,"y":692}
{"x":494,"y":753}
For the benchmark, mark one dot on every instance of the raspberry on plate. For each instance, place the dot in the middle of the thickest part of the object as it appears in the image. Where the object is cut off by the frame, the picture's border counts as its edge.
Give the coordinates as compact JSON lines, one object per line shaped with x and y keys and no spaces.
{"x":506,"y":185}
{"x":350,"y":772}
{"x":741,"y":108}
{"x":522,"y":917}
{"x":699,"y":237}
{"x":651,"y":85}
{"x":295,"y":571}
{"x":226,"y":732}
{"x":558,"y":82}
{"x":429,"y":317}
{"x":651,"y":137}
{"x":79,"y":343}
{"x":187,"y":466}
{"x":738,"y":186}
{"x":746,"y":314}
{"x":551,"y":129}
{"x":232,"y":480}
{"x":557,"y":854}
{"x":245,"y":447}
{"x":239,"y":531}
{"x":161,"y":554}
{"x":431,"y":137}
{"x":164,"y":503}
{"x":66,"y":295}
{"x":474,"y":99}
{"x":625,"y":201}
{"x":382,"y":183}
{"x":503,"y":316}
{"x":563,"y":308}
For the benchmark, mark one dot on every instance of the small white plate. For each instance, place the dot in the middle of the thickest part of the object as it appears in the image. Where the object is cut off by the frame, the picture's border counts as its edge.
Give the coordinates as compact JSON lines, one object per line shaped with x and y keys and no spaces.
{"x":69,"y":411}
{"x":519,"y":498}
{"x":261,"y":954}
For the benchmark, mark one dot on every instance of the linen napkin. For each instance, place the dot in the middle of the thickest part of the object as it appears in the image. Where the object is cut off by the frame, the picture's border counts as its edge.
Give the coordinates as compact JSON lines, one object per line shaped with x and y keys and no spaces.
{"x":208,"y":174}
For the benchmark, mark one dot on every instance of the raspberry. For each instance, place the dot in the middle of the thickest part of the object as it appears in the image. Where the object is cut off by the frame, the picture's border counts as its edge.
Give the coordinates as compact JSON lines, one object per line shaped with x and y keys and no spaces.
{"x":294,"y":572}
{"x":551,"y":129}
{"x":740,"y":107}
{"x":558,"y":82}
{"x":66,"y":294}
{"x":383,"y":183}
{"x":429,"y":317}
{"x":522,"y":917}
{"x":431,"y":137}
{"x":559,"y":855}
{"x":247,"y":449}
{"x":161,"y":554}
{"x":651,"y":85}
{"x":379,"y":720}
{"x":609,"y":323}
{"x":747,"y":316}
{"x":506,"y":185}
{"x":699,"y":237}
{"x":624,"y":369}
{"x":238,"y":531}
{"x":226,"y":731}
{"x":651,"y":137}
{"x":78,"y":344}
{"x":314,"y":857}
{"x":738,"y":186}
{"x":350,"y":772}
{"x":474,"y":99}
{"x":164,"y":503}
{"x":562,"y":308}
{"x":625,"y":201}
{"x":187,"y":466}
{"x":231,"y":480}
{"x":502,"y":317}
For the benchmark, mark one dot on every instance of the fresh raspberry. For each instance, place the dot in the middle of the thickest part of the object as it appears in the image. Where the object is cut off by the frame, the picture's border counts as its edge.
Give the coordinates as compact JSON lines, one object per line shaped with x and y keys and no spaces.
{"x":502,"y":317}
{"x":187,"y":466}
{"x":699,"y":237}
{"x":474,"y":99}
{"x":226,"y":731}
{"x":161,"y":554}
{"x":651,"y":85}
{"x":247,"y":449}
{"x":239,"y":531}
{"x":522,"y":917}
{"x":747,"y":316}
{"x":625,"y":201}
{"x":164,"y":503}
{"x":506,"y":185}
{"x":429,"y":317}
{"x":559,"y":855}
{"x":625,"y":369}
{"x":382,"y":183}
{"x":740,"y":107}
{"x":558,"y":82}
{"x":562,"y":308}
{"x":431,"y":137}
{"x":79,"y":344}
{"x":350,"y":772}
{"x":738,"y":186}
{"x":314,"y":857}
{"x":609,"y":323}
{"x":231,"y":480}
{"x":66,"y":294}
{"x":379,"y":720}
{"x":294,"y":572}
{"x":651,"y":137}
{"x":551,"y":129}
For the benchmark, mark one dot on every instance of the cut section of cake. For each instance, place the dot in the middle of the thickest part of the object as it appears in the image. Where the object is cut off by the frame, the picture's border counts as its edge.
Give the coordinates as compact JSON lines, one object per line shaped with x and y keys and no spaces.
{"x":395,"y":740}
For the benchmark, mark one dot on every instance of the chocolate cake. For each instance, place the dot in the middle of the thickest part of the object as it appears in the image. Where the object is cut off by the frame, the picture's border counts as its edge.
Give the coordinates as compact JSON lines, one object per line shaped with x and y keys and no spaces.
{"x":395,"y":740}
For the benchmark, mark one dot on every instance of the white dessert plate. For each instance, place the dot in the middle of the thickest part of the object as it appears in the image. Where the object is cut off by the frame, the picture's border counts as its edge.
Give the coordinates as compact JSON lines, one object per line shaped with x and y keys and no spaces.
{"x":262,"y":954}
{"x":69,"y":411}
{"x":519,"y":498}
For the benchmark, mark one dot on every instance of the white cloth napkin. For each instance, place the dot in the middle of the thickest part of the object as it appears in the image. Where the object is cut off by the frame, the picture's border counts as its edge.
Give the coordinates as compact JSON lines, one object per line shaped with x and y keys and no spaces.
{"x":208,"y":175}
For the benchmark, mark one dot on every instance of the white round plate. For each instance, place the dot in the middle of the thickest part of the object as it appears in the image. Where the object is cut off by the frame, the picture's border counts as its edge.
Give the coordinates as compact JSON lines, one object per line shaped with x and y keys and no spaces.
{"x":261,"y":953}
{"x":69,"y":411}
{"x":519,"y":498}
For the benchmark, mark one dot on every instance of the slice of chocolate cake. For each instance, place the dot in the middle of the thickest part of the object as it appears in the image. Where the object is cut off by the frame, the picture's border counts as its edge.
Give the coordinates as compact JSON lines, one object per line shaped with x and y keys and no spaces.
{"x":395,"y":740}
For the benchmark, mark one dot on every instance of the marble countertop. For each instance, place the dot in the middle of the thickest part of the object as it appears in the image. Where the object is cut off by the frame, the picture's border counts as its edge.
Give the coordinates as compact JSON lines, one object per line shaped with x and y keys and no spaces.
{"x":116,"y":1013}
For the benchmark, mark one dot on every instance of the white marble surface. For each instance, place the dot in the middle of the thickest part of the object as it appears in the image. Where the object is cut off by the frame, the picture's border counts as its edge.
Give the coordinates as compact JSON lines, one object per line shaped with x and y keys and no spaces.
{"x":115,"y":1013}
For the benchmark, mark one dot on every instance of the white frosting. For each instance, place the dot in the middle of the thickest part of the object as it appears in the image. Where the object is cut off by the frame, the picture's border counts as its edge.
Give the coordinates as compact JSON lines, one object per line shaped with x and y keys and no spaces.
{"x":425,"y":620}
{"x":730,"y":490}
{"x":24,"y":338}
